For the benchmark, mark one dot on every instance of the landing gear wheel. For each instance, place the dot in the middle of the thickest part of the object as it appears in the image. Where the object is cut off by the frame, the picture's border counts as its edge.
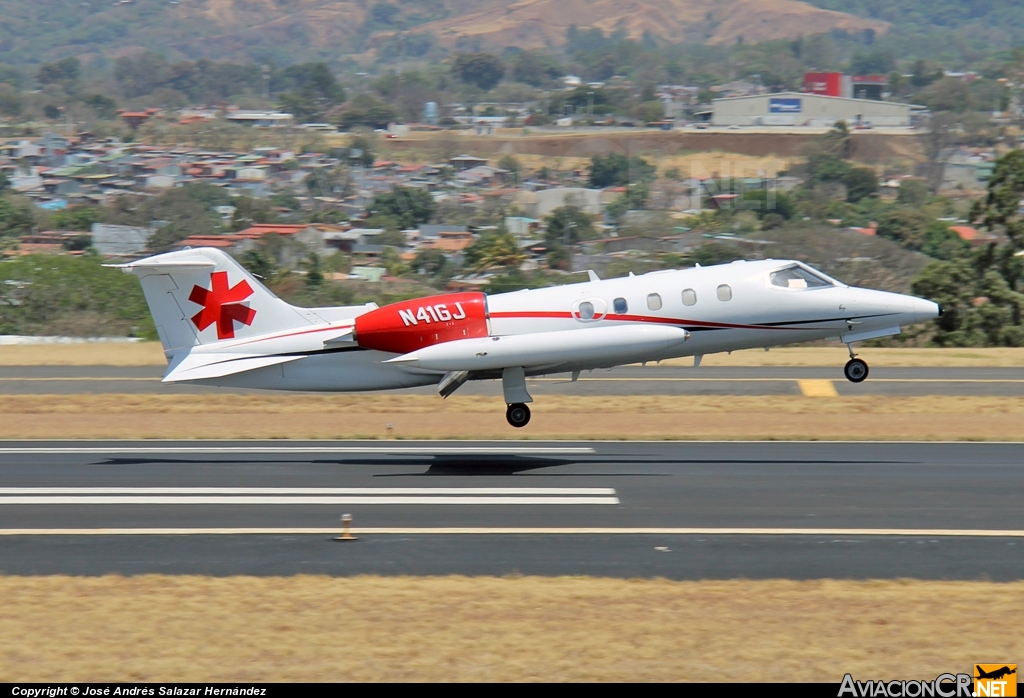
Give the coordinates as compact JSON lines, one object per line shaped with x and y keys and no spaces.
{"x":856,"y":370}
{"x":518,"y":415}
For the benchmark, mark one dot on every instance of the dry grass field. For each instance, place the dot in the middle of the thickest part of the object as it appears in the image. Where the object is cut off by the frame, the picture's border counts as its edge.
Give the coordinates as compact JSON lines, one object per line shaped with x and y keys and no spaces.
{"x":85,"y":354}
{"x":114,"y":416}
{"x":160,"y":628}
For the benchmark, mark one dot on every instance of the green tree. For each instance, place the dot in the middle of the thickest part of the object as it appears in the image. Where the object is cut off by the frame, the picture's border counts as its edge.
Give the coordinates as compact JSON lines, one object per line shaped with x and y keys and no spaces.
{"x":711,"y":253}
{"x":64,"y":72}
{"x":905,"y":226}
{"x":432,"y":263}
{"x":410,"y":206}
{"x":979,"y":291}
{"x":391,"y":259}
{"x":365,"y":148}
{"x":481,"y":69}
{"x":942,"y":243}
{"x":250,"y":211}
{"x":648,"y":111}
{"x":535,"y":68}
{"x":311,"y":90}
{"x":11,"y":102}
{"x":766,"y":203}
{"x":825,"y":167}
{"x":314,"y":273}
{"x":510,"y":163}
{"x":494,"y":250}
{"x":286,"y":199}
{"x":1001,"y":210}
{"x":14,"y":220}
{"x":366,"y":110}
{"x":76,"y":218}
{"x":140,"y":75}
{"x":259,"y":264}
{"x":68,"y":295}
{"x":567,"y":225}
{"x":105,"y":107}
{"x":913,"y":193}
{"x":615,"y":169}
{"x":860,"y":183}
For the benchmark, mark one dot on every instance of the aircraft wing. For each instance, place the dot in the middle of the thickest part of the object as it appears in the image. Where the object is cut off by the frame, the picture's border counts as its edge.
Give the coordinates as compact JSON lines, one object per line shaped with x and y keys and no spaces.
{"x":202,"y":366}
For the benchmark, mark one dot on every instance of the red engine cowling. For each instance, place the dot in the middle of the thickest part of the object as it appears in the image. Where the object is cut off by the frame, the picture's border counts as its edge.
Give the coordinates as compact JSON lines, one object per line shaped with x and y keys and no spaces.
{"x":409,"y":325}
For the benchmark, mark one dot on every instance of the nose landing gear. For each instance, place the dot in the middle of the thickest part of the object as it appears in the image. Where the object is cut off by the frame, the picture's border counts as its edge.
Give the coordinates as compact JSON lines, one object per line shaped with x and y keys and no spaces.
{"x":518,"y":415}
{"x":856,"y":370}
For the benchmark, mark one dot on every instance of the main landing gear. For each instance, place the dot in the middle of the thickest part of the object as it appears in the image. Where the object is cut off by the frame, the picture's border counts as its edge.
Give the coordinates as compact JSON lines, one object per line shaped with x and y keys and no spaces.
{"x":856,"y":370}
{"x":518,"y":414}
{"x":513,"y":386}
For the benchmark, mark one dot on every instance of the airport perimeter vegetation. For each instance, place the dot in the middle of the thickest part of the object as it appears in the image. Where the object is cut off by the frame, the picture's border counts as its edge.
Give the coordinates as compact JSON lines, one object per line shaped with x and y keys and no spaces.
{"x":215,"y":415}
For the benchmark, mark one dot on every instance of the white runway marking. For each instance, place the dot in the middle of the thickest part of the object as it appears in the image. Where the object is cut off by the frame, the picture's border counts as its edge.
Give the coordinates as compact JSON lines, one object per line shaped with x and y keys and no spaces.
{"x":77,"y":496}
{"x":383,"y":449}
{"x":595,"y":491}
{"x":837,"y":532}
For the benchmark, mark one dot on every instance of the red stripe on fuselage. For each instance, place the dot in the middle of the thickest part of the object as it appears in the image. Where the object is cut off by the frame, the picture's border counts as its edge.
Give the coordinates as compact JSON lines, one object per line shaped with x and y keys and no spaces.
{"x":636,"y":318}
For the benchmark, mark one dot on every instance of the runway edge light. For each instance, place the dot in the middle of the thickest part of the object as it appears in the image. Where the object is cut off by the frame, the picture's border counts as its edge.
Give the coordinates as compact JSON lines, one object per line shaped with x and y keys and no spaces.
{"x":346,"y":533}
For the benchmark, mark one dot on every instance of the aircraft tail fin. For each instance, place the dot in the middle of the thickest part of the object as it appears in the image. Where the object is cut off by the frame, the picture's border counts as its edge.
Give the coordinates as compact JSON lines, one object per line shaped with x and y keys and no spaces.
{"x":203,"y":296}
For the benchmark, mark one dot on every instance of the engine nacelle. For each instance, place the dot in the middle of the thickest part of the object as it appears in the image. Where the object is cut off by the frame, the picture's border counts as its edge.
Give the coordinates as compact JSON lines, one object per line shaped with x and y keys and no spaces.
{"x":422,"y":322}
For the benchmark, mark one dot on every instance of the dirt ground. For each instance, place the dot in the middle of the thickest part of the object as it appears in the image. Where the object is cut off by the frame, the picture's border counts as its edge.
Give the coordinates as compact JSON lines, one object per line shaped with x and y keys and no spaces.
{"x":150,"y":354}
{"x":159,"y":628}
{"x":113,"y":416}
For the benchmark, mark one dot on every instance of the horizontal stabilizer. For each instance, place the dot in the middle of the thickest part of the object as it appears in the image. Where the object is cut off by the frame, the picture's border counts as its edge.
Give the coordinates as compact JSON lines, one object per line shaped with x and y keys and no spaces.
{"x":203,"y":366}
{"x":164,"y":265}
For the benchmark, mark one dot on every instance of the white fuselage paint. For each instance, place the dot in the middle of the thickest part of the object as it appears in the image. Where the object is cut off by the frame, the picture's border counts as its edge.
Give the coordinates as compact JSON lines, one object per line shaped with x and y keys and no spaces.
{"x":756,"y":314}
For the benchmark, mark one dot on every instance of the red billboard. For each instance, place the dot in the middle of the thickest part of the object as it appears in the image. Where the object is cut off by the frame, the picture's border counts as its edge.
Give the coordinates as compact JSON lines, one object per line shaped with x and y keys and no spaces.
{"x":830,"y":84}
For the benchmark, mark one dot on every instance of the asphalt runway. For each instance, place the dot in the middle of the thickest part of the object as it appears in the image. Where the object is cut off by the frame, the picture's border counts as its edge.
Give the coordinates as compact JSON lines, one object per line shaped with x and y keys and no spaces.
{"x":627,"y":380}
{"x":681,"y":510}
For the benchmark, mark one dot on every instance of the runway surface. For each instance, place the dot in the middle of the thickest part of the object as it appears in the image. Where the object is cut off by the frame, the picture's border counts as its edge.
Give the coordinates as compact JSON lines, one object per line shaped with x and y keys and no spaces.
{"x":627,"y":380}
{"x":674,"y":509}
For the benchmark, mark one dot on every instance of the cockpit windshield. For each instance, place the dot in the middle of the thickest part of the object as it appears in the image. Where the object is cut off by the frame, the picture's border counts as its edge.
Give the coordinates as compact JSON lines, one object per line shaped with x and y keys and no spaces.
{"x":797,"y":277}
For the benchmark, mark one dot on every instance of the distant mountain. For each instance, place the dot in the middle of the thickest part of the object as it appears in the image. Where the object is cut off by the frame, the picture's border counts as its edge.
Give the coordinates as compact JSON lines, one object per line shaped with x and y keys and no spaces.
{"x":543,"y":23}
{"x":947,"y":30}
{"x":288,"y":31}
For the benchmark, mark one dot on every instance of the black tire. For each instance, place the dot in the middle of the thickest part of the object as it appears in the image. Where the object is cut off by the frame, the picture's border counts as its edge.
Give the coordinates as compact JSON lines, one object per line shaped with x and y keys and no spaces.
{"x":856,"y":370}
{"x":518,"y":415}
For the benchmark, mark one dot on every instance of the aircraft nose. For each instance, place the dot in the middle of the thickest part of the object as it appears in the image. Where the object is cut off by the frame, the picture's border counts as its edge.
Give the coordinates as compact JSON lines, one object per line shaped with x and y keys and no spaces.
{"x":924,"y":310}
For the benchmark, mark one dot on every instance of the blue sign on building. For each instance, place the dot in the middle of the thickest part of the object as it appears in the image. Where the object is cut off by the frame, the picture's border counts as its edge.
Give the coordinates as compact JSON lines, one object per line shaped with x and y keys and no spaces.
{"x":785,"y":105}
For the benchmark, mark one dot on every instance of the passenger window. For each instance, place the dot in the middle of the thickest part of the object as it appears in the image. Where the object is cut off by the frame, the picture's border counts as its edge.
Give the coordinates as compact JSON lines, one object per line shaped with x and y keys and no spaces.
{"x":725,"y":292}
{"x":620,"y":306}
{"x":586,"y":310}
{"x":654,"y":301}
{"x":689,"y":297}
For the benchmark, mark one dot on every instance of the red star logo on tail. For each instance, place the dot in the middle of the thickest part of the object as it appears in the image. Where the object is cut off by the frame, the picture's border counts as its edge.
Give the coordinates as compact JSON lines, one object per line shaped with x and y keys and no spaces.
{"x":222,"y":305}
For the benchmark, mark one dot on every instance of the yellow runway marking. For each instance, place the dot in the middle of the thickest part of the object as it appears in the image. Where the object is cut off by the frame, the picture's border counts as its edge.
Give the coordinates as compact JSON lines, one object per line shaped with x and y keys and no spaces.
{"x":817,"y":388}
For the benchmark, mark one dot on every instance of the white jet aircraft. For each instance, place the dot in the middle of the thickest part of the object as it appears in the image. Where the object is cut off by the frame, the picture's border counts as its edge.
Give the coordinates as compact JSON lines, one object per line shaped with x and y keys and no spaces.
{"x":220,"y":326}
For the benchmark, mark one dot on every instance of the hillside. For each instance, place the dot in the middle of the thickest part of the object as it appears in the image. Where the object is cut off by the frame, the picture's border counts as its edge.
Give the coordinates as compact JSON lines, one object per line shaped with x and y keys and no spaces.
{"x":543,"y":23}
{"x":287,"y":31}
